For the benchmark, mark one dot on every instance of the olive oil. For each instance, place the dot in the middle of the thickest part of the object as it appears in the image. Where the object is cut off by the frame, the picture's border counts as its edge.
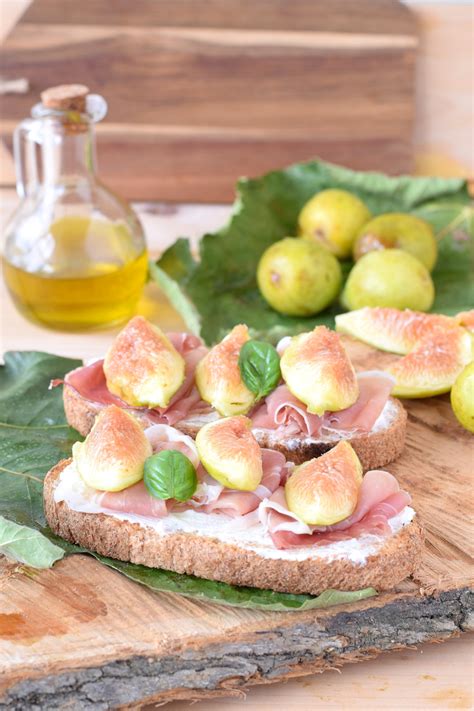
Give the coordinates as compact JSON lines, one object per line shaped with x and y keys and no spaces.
{"x":74,"y":253}
{"x":92,"y":276}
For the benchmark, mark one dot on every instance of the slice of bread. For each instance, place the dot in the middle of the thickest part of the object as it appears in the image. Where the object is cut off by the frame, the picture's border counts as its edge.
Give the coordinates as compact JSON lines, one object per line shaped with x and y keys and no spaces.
{"x":374,"y":449}
{"x":396,"y":557}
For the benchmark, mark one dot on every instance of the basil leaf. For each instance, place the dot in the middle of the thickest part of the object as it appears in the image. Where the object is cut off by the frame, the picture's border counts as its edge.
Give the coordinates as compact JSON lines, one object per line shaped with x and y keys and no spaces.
{"x":259,"y":365}
{"x":169,"y":474}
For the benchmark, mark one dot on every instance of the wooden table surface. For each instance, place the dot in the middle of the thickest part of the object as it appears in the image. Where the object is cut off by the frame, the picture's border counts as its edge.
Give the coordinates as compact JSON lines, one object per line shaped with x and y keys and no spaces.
{"x":431,"y":677}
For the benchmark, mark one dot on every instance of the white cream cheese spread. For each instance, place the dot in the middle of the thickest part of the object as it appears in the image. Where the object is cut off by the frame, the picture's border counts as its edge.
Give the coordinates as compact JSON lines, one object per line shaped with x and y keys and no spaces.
{"x":75,"y":493}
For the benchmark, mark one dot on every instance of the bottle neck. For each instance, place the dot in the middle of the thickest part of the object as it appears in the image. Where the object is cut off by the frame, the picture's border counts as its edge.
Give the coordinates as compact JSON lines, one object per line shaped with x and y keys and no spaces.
{"x":68,"y":156}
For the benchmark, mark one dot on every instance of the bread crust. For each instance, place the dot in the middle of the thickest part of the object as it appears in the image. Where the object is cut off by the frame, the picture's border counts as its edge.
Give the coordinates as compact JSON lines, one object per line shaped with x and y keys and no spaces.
{"x":205,"y":557}
{"x":375,"y":449}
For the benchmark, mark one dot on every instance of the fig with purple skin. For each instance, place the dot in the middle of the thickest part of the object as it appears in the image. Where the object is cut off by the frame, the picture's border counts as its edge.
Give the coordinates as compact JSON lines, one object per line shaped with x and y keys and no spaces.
{"x":325,"y":490}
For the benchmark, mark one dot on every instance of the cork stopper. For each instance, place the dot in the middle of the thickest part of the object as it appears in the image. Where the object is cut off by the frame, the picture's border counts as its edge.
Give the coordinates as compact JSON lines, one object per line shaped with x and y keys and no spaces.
{"x":66,"y":97}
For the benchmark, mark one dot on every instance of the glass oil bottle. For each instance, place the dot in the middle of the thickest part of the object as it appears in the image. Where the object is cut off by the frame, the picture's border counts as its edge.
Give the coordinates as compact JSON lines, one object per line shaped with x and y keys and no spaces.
{"x":74,"y":253}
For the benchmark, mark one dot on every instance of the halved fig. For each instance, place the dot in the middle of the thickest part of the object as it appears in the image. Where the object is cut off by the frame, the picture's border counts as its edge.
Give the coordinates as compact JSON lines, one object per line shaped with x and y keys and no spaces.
{"x":218,"y":375}
{"x":433,"y":365}
{"x":318,"y":371}
{"x":142,"y":367}
{"x":390,"y":329}
{"x":325,"y":490}
{"x":113,"y":454}
{"x":230,"y":453}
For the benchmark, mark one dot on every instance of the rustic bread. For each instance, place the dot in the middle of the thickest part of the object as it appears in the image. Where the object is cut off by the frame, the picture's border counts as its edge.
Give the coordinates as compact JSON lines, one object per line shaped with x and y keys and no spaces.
{"x":375,"y":449}
{"x":398,"y":556}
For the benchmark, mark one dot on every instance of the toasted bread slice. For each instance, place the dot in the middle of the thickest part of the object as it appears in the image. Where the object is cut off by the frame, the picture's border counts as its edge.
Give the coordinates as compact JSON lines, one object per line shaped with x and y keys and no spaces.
{"x":395,"y":557}
{"x":374,"y":449}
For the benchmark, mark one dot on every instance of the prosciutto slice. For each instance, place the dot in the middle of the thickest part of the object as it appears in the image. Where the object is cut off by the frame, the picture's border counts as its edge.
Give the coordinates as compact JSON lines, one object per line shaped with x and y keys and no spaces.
{"x":89,"y":381}
{"x":214,"y":498}
{"x":134,"y":500}
{"x":210,"y":497}
{"x":374,"y":390}
{"x":380,"y":499}
{"x":282,"y":411}
{"x":166,"y":437}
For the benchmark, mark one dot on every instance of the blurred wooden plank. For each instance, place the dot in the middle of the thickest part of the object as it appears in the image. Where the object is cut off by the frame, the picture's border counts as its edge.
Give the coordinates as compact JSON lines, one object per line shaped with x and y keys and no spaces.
{"x":221,"y":78}
{"x":201,"y":166}
{"x":367,"y":16}
{"x":195,"y":105}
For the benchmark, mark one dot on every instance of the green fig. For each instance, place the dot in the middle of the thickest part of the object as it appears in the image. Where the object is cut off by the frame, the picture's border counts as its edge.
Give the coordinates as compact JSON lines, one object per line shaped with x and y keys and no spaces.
{"x":397,"y":230}
{"x":390,"y":278}
{"x":230,"y":453}
{"x":298,"y":278}
{"x":462,"y":397}
{"x":333,"y":218}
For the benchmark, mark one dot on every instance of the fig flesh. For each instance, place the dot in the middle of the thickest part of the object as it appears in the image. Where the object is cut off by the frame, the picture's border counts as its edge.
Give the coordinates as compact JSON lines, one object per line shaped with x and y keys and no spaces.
{"x":298,"y":278}
{"x":433,"y":365}
{"x":400,"y":231}
{"x":142,"y":367}
{"x":318,"y":371}
{"x":113,"y":454}
{"x":325,"y":490}
{"x":218,"y":376}
{"x":390,"y":277}
{"x":391,"y":329}
{"x":230,"y":453}
{"x":462,"y":397}
{"x":333,"y":218}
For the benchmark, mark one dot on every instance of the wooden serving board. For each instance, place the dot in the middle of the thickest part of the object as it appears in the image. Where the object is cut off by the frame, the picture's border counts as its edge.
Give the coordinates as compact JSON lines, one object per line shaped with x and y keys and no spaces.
{"x":201,"y":93}
{"x":96,"y":640}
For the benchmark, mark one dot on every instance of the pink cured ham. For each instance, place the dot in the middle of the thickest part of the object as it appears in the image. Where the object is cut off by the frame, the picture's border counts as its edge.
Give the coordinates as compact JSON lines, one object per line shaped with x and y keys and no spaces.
{"x":374,"y":390}
{"x":211,"y":498}
{"x":134,"y":500}
{"x":282,"y":411}
{"x":89,"y":381}
{"x":380,"y":499}
{"x":239,"y":503}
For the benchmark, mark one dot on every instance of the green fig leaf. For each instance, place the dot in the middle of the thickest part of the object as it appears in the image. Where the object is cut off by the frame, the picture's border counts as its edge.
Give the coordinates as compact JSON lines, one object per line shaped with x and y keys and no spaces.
{"x":27,"y":545}
{"x":219,"y":289}
{"x":169,"y":474}
{"x":259,"y":365}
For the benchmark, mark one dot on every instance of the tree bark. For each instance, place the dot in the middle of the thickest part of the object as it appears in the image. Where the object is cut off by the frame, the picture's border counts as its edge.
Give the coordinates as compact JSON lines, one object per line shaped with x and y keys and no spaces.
{"x":312,"y":643}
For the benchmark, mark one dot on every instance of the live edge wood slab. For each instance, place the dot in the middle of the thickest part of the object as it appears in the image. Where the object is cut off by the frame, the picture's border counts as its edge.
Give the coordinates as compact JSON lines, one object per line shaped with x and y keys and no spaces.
{"x":81,"y":636}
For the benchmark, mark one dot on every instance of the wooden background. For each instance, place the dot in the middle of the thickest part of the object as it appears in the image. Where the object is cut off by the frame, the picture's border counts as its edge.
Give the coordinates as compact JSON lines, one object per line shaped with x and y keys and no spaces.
{"x":203,"y":92}
{"x":199,"y":162}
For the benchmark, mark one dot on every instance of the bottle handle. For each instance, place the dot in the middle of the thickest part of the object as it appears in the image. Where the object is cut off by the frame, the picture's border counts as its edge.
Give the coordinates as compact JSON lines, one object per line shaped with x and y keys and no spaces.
{"x":26,"y":163}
